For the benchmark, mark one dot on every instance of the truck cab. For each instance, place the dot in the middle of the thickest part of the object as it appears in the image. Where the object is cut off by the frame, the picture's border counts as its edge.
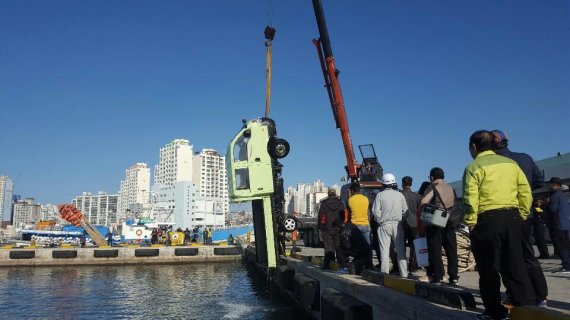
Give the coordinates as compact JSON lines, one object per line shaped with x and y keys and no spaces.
{"x":249,"y":164}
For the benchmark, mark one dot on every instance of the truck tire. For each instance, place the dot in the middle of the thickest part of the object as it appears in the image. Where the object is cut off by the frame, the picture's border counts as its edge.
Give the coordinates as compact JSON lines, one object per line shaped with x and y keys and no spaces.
{"x":278,"y":148}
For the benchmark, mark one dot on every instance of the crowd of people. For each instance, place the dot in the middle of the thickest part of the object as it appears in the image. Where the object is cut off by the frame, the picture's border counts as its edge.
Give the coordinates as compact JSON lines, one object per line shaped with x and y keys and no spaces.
{"x":497,"y":207}
{"x":159,"y":235}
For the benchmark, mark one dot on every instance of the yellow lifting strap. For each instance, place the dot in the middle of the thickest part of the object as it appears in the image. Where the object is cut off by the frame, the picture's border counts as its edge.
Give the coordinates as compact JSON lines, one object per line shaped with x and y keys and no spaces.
{"x":269,"y":35}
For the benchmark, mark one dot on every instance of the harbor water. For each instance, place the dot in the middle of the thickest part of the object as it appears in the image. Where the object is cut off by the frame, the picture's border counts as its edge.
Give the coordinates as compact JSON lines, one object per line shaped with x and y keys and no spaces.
{"x":191,"y":291}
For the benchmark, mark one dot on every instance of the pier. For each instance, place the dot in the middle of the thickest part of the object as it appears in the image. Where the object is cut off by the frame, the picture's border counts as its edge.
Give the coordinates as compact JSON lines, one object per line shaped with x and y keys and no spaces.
{"x":327,"y":295}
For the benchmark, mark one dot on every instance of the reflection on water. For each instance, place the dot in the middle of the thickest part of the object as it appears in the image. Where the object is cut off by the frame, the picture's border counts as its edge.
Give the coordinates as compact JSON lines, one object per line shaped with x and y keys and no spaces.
{"x":194,"y":291}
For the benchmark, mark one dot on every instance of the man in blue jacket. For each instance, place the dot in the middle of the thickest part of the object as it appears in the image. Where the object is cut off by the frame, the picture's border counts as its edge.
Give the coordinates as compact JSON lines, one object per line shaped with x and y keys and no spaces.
{"x":526,"y":163}
{"x":560,"y":208}
{"x":535,"y":180}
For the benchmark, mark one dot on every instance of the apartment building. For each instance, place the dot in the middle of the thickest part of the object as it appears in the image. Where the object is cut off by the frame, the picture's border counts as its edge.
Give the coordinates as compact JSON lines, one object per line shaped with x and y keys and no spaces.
{"x":26,"y":212}
{"x":6,"y":192}
{"x":210,"y":176}
{"x":175,"y":163}
{"x":134,"y":193}
{"x":100,"y":208}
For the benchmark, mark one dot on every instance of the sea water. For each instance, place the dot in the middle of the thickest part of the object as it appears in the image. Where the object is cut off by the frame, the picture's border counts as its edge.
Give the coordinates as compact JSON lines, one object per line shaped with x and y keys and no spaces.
{"x":189,"y":291}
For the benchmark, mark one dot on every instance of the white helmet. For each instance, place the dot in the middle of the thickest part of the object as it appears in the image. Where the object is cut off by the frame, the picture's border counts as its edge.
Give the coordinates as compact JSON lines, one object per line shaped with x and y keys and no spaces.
{"x":388,"y":179}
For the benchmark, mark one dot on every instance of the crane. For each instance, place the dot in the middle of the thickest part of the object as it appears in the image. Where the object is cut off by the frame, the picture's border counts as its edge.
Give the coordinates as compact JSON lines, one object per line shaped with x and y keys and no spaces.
{"x":370,"y":170}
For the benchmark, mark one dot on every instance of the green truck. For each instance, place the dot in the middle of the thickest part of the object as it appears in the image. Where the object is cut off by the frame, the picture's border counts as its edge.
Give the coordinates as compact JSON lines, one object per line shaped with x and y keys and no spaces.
{"x":254,"y":174}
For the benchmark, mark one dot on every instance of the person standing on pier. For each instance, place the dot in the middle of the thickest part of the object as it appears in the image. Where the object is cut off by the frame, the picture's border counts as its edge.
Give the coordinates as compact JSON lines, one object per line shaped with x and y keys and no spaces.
{"x":186,"y":236}
{"x":539,"y":228}
{"x":388,"y":210}
{"x":154,"y":236}
{"x":559,"y":208}
{"x":497,"y":197}
{"x":535,"y":179}
{"x":195,"y":235}
{"x":441,"y":194}
{"x":330,"y":210}
{"x":358,"y":206}
{"x":410,"y":224}
{"x":355,"y":245}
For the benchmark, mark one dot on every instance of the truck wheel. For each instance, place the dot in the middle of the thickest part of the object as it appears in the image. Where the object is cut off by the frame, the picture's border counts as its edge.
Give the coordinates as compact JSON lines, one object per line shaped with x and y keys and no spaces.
{"x":290,"y":224}
{"x":279,"y":148}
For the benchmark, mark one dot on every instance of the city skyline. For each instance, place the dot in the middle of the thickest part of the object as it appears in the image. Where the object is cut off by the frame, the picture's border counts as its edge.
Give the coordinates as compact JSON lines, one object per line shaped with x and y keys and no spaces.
{"x":88,"y":89}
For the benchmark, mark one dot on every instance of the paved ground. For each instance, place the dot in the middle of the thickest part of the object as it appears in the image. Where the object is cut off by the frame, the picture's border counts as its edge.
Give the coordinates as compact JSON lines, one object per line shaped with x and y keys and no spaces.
{"x":558,"y":284}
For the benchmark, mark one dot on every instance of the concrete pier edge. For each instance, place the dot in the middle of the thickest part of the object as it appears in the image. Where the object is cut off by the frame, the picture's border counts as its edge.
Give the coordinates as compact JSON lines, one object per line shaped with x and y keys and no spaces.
{"x":128,"y":255}
{"x":309,"y":265}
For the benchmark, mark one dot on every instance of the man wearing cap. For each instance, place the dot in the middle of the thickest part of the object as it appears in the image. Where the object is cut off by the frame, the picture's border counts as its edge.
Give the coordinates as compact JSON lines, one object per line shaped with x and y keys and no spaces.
{"x":497,"y":197}
{"x":560,"y":210}
{"x":528,"y":166}
{"x":535,"y":180}
{"x":331,"y":210}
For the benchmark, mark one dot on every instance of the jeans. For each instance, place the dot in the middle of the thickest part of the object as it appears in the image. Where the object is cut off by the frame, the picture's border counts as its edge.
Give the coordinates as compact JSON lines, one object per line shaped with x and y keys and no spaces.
{"x":365,"y":232}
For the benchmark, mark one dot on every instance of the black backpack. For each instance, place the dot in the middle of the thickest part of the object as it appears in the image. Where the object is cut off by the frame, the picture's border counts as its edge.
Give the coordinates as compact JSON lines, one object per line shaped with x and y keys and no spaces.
{"x":456,"y":213}
{"x":345,"y":234}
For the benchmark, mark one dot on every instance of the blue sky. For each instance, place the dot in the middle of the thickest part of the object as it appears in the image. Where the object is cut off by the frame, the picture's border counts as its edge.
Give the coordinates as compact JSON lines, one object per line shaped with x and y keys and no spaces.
{"x":88,"y":88}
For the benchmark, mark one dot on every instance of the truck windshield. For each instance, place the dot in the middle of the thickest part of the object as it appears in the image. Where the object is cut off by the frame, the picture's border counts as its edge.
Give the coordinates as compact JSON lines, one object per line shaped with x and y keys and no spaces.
{"x":240,"y":147}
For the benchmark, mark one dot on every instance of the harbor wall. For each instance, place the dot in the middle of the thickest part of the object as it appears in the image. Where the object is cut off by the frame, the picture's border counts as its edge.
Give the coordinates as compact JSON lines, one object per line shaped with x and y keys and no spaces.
{"x":382,"y":302}
{"x":116,"y":255}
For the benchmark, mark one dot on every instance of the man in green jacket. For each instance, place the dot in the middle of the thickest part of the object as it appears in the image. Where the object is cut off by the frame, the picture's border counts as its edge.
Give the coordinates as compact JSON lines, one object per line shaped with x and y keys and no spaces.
{"x":498,"y":198}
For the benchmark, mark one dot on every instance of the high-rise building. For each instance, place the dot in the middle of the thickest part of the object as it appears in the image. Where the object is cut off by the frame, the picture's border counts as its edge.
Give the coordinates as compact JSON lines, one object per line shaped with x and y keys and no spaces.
{"x":188,"y":202}
{"x":289,"y":205}
{"x":304,"y":198}
{"x":6,"y":191}
{"x":26,"y":212}
{"x":175,"y":163}
{"x":98,"y":209}
{"x":183,"y":205}
{"x":313,"y":202}
{"x":135,"y":190}
{"x":210,"y":176}
{"x":49,"y":212}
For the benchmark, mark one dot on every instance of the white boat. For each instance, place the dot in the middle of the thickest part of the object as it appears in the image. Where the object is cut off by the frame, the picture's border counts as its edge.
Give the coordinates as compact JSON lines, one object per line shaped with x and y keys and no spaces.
{"x":140,"y":230}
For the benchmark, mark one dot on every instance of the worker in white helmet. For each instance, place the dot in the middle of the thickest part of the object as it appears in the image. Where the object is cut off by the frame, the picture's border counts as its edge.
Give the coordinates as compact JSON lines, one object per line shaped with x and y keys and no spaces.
{"x":388,"y":210}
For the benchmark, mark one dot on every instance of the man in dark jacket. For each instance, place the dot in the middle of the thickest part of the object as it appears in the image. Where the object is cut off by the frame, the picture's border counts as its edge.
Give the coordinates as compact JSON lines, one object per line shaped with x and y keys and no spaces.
{"x":186,"y":236}
{"x":560,"y":210}
{"x":410,"y":220}
{"x":330,"y":211}
{"x":526,"y":163}
{"x":537,"y":218}
{"x":535,"y":180}
{"x":354,"y":244}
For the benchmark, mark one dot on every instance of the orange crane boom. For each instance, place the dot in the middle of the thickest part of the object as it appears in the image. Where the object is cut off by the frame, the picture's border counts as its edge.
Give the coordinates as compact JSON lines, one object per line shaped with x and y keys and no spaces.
{"x":332,"y":84}
{"x":72,"y":215}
